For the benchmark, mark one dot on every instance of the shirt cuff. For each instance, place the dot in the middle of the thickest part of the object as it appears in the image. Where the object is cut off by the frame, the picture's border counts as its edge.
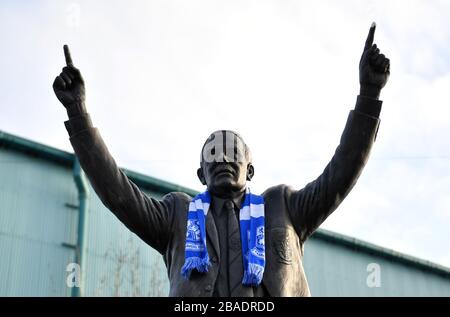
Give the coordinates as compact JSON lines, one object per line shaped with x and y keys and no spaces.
{"x":368,"y":106}
{"x":77,"y":124}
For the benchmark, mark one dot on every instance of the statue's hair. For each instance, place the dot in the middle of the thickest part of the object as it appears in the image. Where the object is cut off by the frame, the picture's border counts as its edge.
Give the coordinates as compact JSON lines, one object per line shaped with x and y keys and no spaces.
{"x":248,"y":154}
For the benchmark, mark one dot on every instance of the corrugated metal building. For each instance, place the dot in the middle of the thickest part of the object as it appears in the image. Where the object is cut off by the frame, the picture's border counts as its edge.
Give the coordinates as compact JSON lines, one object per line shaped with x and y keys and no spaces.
{"x":39,"y":214}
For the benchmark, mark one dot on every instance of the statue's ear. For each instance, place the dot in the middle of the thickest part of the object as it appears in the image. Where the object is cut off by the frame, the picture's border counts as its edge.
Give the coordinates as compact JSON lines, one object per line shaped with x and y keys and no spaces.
{"x":201,"y":176}
{"x":250,"y":171}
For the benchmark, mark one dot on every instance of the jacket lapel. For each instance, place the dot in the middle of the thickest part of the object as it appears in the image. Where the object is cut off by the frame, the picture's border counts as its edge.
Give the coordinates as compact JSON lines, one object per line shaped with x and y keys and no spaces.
{"x":211,"y":233}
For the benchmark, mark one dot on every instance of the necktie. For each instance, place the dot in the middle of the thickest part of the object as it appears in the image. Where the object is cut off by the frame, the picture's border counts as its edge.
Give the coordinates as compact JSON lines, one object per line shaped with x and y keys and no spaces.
{"x":235,"y":266}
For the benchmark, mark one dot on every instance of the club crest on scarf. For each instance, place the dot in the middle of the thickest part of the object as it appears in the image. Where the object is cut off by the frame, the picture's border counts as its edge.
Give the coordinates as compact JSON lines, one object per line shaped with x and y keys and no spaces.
{"x":259,"y":248}
{"x":193,"y":235}
{"x":251,"y":218}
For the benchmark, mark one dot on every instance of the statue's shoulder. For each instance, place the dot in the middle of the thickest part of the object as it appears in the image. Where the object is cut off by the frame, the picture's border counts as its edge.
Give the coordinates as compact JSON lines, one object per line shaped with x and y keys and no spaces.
{"x":275,"y":190}
{"x":178,"y":198}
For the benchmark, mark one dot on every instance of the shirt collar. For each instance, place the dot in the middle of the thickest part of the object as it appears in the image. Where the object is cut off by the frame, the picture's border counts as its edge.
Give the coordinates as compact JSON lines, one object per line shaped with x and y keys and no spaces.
{"x":218,"y":202}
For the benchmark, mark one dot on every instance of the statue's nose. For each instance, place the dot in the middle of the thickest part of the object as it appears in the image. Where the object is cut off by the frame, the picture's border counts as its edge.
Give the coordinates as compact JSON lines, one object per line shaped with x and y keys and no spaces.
{"x":227,"y":158}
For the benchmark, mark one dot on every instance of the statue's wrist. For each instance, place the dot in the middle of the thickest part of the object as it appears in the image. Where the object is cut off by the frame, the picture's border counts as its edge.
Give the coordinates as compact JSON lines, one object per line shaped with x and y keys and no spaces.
{"x":75,"y":109}
{"x":370,"y":91}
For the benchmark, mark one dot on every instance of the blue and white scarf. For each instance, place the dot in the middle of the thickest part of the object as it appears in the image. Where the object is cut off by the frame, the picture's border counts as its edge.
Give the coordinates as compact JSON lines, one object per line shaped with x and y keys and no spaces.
{"x":251,"y":218}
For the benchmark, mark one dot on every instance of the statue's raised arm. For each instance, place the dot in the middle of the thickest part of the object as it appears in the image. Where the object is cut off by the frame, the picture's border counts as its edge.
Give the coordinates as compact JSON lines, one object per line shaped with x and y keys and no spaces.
{"x":310,"y":206}
{"x":147,"y":217}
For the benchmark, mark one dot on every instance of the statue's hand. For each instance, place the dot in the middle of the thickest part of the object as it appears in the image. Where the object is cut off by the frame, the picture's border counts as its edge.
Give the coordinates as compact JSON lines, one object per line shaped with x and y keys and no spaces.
{"x":69,"y":86}
{"x":374,"y":68}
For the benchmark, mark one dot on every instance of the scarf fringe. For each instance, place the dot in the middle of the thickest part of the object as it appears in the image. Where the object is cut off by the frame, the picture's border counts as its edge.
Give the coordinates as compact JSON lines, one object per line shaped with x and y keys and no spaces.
{"x":254,"y":275}
{"x":201,"y":265}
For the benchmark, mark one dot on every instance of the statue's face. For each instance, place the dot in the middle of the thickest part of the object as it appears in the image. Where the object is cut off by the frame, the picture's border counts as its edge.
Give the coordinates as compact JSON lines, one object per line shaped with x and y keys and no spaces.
{"x":226,"y":164}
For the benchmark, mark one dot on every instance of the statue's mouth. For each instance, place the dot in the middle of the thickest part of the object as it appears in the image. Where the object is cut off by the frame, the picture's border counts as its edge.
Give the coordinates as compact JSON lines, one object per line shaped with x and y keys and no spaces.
{"x":223,"y":171}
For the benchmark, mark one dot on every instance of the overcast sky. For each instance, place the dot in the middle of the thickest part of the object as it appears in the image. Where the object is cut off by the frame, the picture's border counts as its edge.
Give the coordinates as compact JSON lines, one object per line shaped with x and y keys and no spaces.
{"x":162,"y":75}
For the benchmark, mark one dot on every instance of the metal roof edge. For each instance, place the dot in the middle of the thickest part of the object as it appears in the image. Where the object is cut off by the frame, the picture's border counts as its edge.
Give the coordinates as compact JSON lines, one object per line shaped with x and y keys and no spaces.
{"x":33,"y":148}
{"x":157,"y":184}
{"x":373,"y":249}
{"x":27,"y":146}
{"x":56,"y":155}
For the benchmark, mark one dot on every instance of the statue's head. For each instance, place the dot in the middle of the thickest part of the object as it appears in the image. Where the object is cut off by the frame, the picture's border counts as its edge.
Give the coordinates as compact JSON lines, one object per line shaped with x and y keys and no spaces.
{"x":225,"y":164}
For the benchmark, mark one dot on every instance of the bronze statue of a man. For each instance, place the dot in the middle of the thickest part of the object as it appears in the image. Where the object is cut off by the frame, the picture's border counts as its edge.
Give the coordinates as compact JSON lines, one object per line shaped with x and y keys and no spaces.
{"x":228,"y":241}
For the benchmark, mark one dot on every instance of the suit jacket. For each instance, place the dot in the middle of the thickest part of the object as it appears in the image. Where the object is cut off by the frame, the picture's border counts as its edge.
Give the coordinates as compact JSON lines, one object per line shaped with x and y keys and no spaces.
{"x":291,"y":215}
